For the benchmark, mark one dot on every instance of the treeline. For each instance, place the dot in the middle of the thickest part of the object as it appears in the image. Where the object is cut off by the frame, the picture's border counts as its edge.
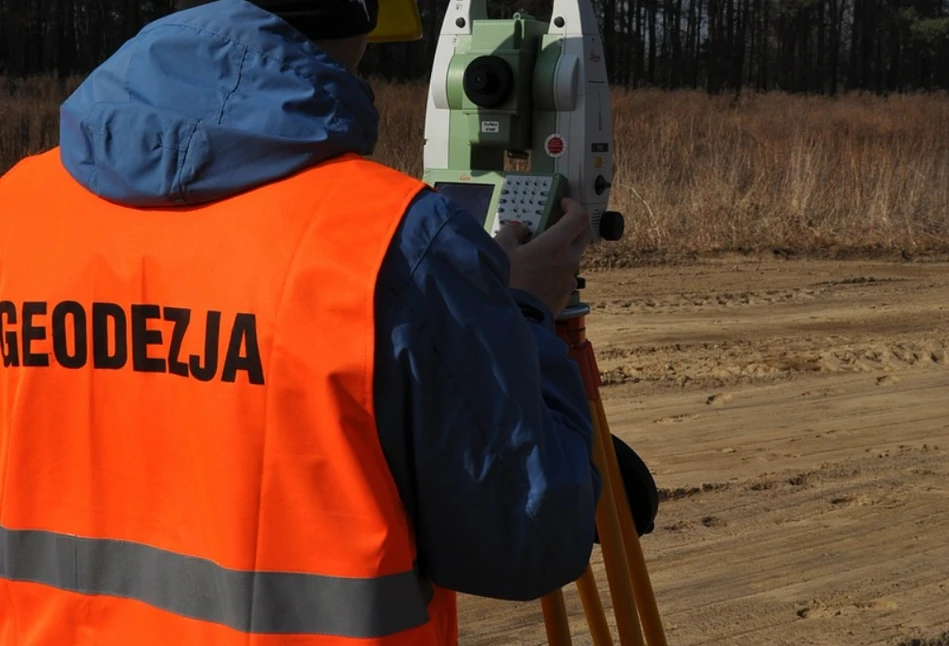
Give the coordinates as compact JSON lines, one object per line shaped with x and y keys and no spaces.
{"x":809,"y":46}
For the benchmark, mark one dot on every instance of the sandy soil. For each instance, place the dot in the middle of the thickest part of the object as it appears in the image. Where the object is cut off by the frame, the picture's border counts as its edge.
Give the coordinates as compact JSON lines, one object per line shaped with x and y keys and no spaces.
{"x":796,"y":416}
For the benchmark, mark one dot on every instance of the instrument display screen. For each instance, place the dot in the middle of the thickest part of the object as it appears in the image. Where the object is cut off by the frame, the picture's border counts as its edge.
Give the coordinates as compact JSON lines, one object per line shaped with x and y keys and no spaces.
{"x":473,"y":198}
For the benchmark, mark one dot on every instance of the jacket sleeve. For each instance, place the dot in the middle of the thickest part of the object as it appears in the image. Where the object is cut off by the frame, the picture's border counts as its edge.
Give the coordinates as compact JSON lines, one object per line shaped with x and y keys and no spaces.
{"x":481,"y":414}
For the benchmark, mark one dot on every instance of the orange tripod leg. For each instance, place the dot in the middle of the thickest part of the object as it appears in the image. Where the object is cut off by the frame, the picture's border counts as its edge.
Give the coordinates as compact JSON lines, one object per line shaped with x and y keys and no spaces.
{"x":555,"y":619}
{"x":630,"y":588}
{"x":642,"y":586}
{"x":593,"y":609}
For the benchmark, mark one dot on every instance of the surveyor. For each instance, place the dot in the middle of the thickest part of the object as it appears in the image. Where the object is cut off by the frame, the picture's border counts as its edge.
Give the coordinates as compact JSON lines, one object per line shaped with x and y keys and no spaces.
{"x":257,"y":389}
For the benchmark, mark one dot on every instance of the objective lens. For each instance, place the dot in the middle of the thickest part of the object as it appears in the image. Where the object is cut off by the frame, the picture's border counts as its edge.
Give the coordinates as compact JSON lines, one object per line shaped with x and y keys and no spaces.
{"x":488,"y":81}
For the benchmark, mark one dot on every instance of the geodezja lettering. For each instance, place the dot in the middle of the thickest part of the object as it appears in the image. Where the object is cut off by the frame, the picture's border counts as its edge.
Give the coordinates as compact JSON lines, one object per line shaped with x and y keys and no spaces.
{"x":111,"y":337}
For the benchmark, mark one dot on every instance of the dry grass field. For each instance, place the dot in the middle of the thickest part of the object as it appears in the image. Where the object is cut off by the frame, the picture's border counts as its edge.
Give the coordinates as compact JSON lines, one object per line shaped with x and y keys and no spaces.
{"x":699,"y":174}
{"x":773,"y":338}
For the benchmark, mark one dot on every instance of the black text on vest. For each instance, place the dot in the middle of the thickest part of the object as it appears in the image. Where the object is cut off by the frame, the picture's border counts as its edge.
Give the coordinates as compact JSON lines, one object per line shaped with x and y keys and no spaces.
{"x":110,"y":337}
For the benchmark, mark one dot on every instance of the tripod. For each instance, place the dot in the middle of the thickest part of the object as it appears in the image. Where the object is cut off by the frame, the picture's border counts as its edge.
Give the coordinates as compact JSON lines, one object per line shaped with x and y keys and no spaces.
{"x":630,"y":588}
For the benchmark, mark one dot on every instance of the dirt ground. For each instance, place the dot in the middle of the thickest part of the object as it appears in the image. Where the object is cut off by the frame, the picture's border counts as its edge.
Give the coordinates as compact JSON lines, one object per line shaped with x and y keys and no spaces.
{"x":796,"y":416}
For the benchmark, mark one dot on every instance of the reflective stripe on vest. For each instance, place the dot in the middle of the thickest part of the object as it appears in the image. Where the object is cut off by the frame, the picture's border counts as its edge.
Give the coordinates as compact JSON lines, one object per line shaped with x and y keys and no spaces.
{"x":253,"y":602}
{"x":189,"y":451}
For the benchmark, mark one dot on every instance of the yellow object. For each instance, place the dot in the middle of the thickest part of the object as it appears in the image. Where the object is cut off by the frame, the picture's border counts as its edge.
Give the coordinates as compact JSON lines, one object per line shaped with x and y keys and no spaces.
{"x":399,"y":21}
{"x":634,"y":603}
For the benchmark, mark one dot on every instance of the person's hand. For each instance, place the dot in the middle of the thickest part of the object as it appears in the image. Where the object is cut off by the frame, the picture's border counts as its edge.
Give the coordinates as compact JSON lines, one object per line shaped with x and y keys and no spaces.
{"x":546,"y":266}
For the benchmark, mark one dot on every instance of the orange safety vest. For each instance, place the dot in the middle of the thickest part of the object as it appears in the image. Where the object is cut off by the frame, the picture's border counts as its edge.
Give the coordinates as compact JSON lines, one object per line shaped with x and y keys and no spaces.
{"x":188,"y":448}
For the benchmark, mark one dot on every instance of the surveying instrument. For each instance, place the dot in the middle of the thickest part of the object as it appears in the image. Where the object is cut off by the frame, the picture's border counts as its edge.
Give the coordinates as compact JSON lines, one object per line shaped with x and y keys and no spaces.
{"x":522,"y":91}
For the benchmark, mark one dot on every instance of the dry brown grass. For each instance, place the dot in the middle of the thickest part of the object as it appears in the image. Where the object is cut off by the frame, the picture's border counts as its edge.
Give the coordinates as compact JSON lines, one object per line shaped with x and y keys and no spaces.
{"x":699,"y":174}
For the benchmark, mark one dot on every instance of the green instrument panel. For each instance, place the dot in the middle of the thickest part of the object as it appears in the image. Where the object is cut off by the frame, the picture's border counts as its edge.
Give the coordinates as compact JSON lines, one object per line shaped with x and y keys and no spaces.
{"x":495,"y":198}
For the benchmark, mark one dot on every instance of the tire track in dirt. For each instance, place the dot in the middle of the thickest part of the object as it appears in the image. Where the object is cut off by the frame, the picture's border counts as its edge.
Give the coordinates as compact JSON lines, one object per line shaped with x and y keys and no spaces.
{"x":719,"y":338}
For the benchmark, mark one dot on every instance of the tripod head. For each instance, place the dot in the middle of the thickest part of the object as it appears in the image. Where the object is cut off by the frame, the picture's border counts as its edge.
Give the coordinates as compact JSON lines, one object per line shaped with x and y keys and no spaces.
{"x":520,"y":89}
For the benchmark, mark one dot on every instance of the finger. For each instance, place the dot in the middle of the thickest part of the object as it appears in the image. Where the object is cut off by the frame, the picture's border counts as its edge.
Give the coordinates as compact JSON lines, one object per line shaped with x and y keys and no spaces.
{"x":582,"y":241}
{"x":579,"y":245}
{"x":574,"y":223}
{"x":512,"y":235}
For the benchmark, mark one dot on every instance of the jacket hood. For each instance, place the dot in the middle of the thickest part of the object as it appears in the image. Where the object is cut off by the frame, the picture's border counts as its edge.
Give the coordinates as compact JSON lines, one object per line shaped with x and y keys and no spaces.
{"x":209,"y":102}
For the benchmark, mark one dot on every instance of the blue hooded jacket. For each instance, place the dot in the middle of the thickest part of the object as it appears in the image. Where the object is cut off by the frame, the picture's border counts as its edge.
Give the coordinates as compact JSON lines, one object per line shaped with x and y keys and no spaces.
{"x":481,"y":414}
